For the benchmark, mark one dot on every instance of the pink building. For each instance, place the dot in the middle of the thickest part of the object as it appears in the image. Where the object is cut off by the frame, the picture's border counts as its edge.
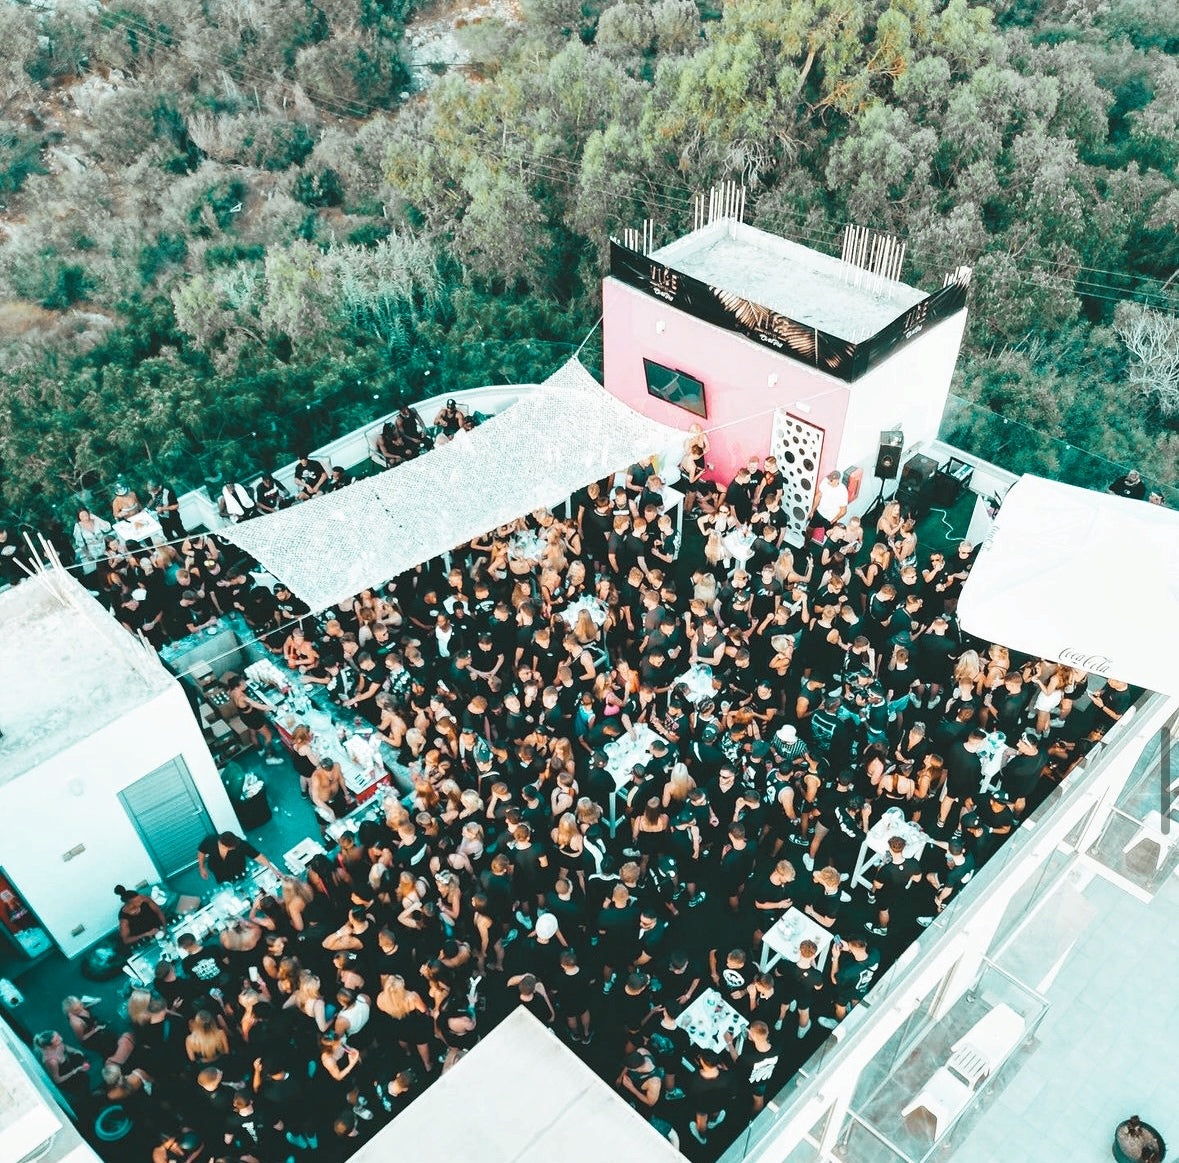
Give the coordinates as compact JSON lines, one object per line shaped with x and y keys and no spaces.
{"x":772,"y":346}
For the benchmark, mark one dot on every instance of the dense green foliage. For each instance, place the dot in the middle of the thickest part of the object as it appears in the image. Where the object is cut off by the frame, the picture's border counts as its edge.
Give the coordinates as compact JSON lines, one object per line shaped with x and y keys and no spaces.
{"x":229,"y":230}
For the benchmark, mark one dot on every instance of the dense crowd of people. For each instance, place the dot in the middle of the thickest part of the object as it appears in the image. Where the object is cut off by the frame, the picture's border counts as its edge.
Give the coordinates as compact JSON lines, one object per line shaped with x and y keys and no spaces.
{"x":841,"y":688}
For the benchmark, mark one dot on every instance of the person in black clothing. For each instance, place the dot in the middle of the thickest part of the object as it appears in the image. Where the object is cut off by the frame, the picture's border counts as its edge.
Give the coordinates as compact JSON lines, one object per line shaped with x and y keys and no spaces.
{"x":337,"y":480}
{"x":951,"y":871}
{"x":739,"y":495}
{"x":731,"y":974}
{"x":270,"y":495}
{"x":963,"y":775}
{"x":449,"y":420}
{"x":225,"y":856}
{"x":1020,"y":775}
{"x":756,"y":1062}
{"x":709,"y":1091}
{"x":1129,"y":485}
{"x":890,"y":882}
{"x":311,"y":475}
{"x":853,"y":969}
{"x":162,"y":500}
{"x":139,"y":915}
{"x":411,"y":429}
{"x":805,"y":983}
{"x":206,"y":967}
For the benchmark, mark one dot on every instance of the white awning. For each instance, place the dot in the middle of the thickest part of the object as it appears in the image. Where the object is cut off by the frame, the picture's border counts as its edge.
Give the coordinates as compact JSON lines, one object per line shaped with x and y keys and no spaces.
{"x":1084,"y":578}
{"x":555,"y":440}
{"x":520,"y":1096}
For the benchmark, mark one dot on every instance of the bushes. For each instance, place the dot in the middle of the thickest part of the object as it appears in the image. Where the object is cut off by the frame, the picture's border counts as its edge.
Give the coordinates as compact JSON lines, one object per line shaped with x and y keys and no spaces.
{"x":20,"y":156}
{"x":316,"y":188}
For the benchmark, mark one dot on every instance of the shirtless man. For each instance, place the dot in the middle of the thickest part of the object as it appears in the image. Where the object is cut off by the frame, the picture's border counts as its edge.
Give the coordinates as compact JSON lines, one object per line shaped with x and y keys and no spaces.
{"x":327,"y":791}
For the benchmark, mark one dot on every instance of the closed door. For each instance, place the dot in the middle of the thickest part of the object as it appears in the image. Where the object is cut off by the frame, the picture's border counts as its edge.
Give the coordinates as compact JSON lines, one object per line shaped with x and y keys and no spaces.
{"x":798,"y":447}
{"x":169,"y":816}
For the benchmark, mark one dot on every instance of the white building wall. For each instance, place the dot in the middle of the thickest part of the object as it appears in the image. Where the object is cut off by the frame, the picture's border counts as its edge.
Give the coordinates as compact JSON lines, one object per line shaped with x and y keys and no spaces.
{"x":907,"y":391}
{"x":71,"y":800}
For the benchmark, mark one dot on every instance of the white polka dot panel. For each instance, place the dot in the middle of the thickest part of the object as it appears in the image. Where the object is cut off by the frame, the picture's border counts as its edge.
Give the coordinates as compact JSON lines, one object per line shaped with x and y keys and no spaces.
{"x":798,"y":447}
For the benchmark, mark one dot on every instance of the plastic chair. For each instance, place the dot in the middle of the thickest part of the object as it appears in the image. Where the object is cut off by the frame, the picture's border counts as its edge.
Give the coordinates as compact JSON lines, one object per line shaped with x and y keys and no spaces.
{"x":1151,"y":828}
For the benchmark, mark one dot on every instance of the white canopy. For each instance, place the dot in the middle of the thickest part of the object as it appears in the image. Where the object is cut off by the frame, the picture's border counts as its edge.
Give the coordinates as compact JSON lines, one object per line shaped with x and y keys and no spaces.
{"x":1085,"y":578}
{"x":555,"y":440}
{"x":520,"y":1096}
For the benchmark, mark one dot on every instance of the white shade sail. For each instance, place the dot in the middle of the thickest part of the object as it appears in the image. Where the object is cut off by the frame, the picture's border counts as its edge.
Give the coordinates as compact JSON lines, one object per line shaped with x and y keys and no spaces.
{"x":520,"y":1096}
{"x":563,"y":434}
{"x":1085,"y":578}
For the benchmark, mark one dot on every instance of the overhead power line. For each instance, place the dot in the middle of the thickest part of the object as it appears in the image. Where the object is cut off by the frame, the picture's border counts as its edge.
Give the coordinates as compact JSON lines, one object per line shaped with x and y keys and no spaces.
{"x":561,"y":170}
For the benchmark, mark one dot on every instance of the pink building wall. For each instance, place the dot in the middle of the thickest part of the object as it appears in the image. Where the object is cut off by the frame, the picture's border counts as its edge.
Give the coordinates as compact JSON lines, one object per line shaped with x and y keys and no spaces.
{"x":735,"y":371}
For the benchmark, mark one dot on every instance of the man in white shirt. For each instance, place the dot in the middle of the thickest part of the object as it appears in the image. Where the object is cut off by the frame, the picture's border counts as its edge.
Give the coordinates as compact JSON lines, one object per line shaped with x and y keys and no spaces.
{"x":830,"y":501}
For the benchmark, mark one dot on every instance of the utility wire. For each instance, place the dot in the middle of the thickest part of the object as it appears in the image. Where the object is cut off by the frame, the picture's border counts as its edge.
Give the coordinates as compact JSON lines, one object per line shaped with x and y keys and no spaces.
{"x":566,"y":171}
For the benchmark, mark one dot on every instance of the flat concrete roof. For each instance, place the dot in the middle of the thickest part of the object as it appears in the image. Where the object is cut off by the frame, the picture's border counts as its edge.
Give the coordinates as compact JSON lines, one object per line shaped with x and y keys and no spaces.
{"x":67,"y":668}
{"x":810,"y":287}
{"x":519,"y":1096}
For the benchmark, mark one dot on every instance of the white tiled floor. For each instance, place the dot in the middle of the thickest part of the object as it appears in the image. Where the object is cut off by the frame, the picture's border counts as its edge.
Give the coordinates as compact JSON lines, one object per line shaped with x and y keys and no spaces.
{"x":1106,"y":1048}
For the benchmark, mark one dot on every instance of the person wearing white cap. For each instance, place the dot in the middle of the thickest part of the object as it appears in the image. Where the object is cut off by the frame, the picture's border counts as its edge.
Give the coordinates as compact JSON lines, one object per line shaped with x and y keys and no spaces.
{"x":788,"y":747}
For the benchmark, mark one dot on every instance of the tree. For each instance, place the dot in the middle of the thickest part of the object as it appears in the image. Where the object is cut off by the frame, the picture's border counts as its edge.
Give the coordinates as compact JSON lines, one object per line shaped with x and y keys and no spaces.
{"x":1152,"y":338}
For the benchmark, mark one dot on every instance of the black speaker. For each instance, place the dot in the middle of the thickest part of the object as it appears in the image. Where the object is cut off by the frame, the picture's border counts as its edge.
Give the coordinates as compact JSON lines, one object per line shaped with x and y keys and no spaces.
{"x":919,"y":470}
{"x":888,"y":459}
{"x":915,"y":486}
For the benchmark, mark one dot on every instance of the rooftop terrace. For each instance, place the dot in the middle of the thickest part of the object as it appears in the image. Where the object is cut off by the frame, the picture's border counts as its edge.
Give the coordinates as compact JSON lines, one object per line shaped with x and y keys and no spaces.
{"x":66,"y":670}
{"x":809,"y":287}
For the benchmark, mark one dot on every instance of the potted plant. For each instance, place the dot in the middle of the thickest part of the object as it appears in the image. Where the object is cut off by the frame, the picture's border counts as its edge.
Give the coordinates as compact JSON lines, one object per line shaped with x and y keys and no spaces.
{"x":1138,"y":1142}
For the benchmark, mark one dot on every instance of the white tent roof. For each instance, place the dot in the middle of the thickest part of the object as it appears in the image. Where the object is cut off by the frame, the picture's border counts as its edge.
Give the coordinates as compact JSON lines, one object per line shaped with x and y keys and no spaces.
{"x":1085,"y":578}
{"x":555,"y":440}
{"x":519,"y":1096}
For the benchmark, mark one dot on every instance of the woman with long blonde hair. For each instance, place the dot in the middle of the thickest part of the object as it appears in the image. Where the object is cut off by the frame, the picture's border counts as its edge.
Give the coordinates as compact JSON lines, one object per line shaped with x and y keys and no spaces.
{"x":307,"y":999}
{"x":679,"y":786}
{"x":407,"y":1018}
{"x":207,"y":1041}
{"x":888,"y":526}
{"x":968,"y":669}
{"x":585,"y":629}
{"x":296,"y":896}
{"x":570,"y":847}
{"x":929,"y":780}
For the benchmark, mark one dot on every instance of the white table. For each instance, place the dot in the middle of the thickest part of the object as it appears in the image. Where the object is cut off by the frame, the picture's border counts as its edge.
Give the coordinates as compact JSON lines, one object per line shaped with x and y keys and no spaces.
{"x":228,"y":902}
{"x":783,"y":939}
{"x":141,"y":527}
{"x":739,"y":544}
{"x":594,"y":606}
{"x":527,"y":545}
{"x":874,"y":848}
{"x":621,"y":757}
{"x":709,"y":1018}
{"x":296,"y":859}
{"x":358,"y":753}
{"x":696,"y":682}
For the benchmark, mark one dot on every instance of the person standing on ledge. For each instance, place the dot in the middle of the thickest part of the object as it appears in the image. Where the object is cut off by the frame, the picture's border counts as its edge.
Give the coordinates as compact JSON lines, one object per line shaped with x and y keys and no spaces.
{"x":162,"y":499}
{"x":1131,"y":485}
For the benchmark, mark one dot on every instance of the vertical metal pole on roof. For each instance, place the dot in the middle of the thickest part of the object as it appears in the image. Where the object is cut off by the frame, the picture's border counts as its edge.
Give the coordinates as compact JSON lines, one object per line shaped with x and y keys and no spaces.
{"x":816,"y":347}
{"x":1166,"y":800}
